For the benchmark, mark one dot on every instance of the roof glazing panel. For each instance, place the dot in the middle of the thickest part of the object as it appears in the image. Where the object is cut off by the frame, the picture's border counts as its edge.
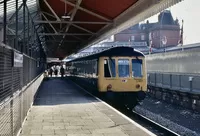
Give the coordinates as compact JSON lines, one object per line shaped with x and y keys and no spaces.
{"x":32,"y":4}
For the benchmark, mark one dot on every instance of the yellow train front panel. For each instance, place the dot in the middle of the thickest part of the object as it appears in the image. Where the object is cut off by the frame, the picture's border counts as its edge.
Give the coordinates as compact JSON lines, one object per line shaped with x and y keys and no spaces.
{"x":118,"y":83}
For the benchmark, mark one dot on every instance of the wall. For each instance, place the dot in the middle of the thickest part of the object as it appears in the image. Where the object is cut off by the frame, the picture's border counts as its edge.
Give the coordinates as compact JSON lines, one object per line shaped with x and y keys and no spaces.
{"x":179,"y":61}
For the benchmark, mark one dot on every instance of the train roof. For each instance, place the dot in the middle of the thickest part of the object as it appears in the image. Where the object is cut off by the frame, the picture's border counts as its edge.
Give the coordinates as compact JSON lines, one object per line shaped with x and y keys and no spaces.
{"x":113,"y":51}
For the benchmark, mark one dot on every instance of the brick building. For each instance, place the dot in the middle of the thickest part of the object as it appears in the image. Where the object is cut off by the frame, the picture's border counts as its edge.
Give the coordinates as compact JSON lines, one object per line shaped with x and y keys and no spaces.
{"x":164,"y":33}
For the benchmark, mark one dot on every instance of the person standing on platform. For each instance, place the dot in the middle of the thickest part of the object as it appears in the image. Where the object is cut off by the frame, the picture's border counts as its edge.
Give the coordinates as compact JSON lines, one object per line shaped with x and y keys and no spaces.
{"x":62,"y":71}
{"x":56,"y":71}
{"x":51,"y":72}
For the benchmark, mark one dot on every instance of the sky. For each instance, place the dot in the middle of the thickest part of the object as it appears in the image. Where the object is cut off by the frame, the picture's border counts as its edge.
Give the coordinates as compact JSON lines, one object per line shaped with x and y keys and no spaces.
{"x":189,"y":11}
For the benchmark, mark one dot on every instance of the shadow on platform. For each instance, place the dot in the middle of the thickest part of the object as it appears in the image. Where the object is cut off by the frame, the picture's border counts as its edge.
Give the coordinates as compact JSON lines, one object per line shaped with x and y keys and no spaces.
{"x":58,"y":91}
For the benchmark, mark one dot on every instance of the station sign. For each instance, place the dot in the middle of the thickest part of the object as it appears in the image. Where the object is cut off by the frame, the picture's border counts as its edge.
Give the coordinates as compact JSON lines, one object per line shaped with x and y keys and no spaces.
{"x":17,"y":59}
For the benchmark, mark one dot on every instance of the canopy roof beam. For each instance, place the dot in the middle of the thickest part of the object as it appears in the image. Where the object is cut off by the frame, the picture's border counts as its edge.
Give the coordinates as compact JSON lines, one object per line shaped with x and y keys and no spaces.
{"x":73,"y":34}
{"x":65,"y":41}
{"x":86,"y":10}
{"x":82,"y":28}
{"x":70,"y":22}
{"x":72,"y":18}
{"x":54,"y":13}
{"x":73,"y":13}
{"x":45,"y":13}
{"x":49,"y":23}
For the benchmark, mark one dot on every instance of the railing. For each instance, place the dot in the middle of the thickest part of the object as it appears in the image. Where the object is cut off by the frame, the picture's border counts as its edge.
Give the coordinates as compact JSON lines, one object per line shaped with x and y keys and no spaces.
{"x":18,"y":86}
{"x":14,"y":110}
{"x":188,"y":83}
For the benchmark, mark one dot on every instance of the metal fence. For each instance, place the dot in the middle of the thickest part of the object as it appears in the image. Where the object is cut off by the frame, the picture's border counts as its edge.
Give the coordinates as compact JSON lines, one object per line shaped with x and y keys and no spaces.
{"x":175,"y":81}
{"x":17,"y":89}
{"x":18,"y":84}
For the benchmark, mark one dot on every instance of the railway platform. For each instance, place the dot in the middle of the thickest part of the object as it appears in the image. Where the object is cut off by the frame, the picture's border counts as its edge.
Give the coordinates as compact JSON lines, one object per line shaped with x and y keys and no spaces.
{"x":61,"y":108}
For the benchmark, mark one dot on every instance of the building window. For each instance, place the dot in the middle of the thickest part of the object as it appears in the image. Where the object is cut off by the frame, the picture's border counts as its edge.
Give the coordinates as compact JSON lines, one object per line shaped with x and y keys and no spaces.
{"x":142,"y":37}
{"x":132,"y":38}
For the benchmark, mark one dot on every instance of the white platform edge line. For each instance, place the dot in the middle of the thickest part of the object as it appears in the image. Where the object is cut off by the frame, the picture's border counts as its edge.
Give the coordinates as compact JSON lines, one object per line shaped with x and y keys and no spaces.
{"x":118,"y":112}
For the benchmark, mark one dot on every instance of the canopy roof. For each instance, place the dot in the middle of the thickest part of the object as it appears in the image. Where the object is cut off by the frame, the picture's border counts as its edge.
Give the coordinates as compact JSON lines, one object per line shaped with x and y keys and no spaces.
{"x":68,"y":26}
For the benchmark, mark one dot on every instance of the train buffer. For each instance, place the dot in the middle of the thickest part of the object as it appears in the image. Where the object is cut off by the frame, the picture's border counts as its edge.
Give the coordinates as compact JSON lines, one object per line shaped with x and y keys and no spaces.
{"x":63,"y":108}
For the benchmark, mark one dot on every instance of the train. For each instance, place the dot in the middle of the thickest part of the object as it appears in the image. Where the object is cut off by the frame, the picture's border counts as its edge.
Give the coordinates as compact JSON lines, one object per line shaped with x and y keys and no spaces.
{"x":117,"y":74}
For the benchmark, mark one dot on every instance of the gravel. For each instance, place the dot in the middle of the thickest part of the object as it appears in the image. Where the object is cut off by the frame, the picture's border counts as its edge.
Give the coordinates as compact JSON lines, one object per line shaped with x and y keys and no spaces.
{"x":176,"y":118}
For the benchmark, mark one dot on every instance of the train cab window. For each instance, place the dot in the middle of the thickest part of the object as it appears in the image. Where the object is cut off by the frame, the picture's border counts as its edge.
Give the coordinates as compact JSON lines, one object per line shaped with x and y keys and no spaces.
{"x":136,"y":68}
{"x":123,"y":68}
{"x":109,"y":68}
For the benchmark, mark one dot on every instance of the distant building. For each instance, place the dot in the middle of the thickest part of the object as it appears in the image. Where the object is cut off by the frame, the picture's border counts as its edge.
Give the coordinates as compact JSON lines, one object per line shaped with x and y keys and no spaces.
{"x":164,"y":33}
{"x":161,"y":34}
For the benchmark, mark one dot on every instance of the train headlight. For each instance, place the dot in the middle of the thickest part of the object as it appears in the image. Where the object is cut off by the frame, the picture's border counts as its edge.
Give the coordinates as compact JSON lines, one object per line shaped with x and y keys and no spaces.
{"x":109,"y":87}
{"x":137,"y":86}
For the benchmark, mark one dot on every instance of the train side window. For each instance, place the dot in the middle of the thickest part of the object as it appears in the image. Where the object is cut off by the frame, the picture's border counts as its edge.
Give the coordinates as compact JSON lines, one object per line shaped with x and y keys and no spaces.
{"x":136,"y":68}
{"x":123,"y":68}
{"x":106,"y":69}
{"x":95,"y":68}
{"x":109,"y":68}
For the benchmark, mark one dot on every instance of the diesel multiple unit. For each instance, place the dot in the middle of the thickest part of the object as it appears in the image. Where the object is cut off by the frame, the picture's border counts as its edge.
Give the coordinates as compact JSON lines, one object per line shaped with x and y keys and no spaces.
{"x":118,"y":73}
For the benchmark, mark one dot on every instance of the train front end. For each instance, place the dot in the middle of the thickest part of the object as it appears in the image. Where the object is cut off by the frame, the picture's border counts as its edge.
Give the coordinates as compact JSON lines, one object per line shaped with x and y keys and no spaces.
{"x":123,"y":78}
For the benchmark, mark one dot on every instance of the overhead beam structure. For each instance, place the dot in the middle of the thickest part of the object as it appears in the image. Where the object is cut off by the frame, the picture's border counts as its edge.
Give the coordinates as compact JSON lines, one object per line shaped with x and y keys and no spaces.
{"x":72,"y":34}
{"x":86,"y":10}
{"x":89,"y":21}
{"x":49,"y":23}
{"x":70,"y":22}
{"x":19,"y":31}
{"x":56,"y":41}
{"x":74,"y":13}
{"x":51,"y":9}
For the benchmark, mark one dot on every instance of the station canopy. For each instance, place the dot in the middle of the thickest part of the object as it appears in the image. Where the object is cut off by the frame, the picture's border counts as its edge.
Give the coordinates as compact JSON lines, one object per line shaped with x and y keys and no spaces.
{"x":68,"y":26}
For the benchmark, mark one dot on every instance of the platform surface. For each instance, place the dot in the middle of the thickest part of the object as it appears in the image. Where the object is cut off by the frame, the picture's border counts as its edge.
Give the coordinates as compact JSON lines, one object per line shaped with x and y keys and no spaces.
{"x":61,"y":108}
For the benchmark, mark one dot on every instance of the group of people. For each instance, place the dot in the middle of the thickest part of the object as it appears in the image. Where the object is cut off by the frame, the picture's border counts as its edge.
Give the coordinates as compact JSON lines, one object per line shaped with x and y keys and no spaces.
{"x":56,"y":70}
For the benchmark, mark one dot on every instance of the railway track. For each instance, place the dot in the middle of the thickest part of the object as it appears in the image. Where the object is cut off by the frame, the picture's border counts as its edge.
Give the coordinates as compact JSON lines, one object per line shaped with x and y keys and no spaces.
{"x":150,"y":124}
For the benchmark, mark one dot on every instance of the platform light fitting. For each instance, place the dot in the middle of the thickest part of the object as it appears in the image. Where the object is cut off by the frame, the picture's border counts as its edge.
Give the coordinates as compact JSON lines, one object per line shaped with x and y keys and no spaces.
{"x":65,"y":17}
